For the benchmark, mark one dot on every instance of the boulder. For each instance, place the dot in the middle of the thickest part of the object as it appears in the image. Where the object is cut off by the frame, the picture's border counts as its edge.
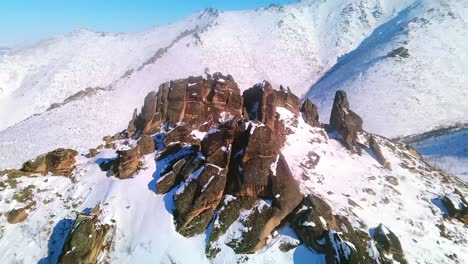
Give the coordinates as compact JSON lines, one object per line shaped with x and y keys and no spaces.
{"x":128,"y":162}
{"x":375,"y":147}
{"x":345,"y":121}
{"x":146,"y":145}
{"x":87,"y":240}
{"x":388,"y":243}
{"x":17,"y":215}
{"x":456,"y":206}
{"x":59,"y":161}
{"x":310,"y":113}
{"x":332,"y":235}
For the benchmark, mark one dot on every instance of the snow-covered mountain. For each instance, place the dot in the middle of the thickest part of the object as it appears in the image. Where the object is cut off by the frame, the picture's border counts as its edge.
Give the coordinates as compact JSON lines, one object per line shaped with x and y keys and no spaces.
{"x":403,"y":64}
{"x":377,"y":204}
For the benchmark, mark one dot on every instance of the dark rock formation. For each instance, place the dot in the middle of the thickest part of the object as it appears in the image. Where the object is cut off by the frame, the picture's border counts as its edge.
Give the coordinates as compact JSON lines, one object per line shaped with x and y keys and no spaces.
{"x":310,"y":113}
{"x":87,"y":240}
{"x":17,"y":215}
{"x":345,"y":121}
{"x":388,"y":243}
{"x":128,"y":162}
{"x":375,"y":147}
{"x":457,"y":206}
{"x":314,"y":222}
{"x":59,"y":161}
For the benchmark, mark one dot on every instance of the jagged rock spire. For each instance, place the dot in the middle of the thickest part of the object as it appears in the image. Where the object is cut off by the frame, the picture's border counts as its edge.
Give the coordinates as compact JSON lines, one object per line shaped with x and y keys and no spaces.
{"x":345,"y":121}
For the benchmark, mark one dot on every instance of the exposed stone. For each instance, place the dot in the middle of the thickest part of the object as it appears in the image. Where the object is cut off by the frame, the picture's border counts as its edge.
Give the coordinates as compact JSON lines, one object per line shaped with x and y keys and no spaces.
{"x":310,"y":113}
{"x":388,"y":243}
{"x":375,"y":147}
{"x":261,"y":100}
{"x":59,"y":161}
{"x":457,"y":206}
{"x":17,"y":215}
{"x":194,"y":207}
{"x":87,"y":240}
{"x":166,"y":182}
{"x":146,"y":145}
{"x":345,"y":121}
{"x":252,"y":231}
{"x":314,"y":222}
{"x":128,"y":162}
{"x":180,"y":133}
{"x":92,"y":153}
{"x":199,"y":103}
{"x":107,"y":139}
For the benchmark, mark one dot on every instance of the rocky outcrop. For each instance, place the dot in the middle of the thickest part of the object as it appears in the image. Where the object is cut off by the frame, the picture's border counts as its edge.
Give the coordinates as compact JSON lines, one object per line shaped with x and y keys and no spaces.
{"x":314,"y":223}
{"x":59,"y":161}
{"x":310,"y":113}
{"x":456,"y":206}
{"x":388,"y":244}
{"x":87,"y":240}
{"x":146,"y":145}
{"x":198,"y":102}
{"x":128,"y":162}
{"x":196,"y":204}
{"x":345,"y":121}
{"x":17,"y":215}
{"x":261,"y":100}
{"x":375,"y":147}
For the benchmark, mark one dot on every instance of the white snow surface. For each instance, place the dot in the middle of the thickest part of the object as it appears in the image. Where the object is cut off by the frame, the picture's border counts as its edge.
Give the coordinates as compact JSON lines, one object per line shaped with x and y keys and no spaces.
{"x":399,"y":96}
{"x":448,"y":152}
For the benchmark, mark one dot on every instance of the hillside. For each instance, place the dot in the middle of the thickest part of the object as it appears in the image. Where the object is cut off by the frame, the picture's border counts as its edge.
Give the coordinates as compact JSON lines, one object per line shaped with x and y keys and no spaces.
{"x":327,"y":193}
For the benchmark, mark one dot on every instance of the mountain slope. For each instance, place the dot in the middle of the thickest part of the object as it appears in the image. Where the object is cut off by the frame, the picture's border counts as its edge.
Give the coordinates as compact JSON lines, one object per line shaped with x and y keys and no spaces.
{"x":293,"y":44}
{"x":406,"y":196}
{"x":408,"y":76}
{"x":52,"y":70}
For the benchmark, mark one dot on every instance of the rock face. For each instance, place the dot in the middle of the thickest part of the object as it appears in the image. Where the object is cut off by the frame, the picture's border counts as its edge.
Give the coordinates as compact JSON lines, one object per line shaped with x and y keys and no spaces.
{"x":194,"y":101}
{"x":87,"y":240}
{"x":345,"y":121}
{"x":388,"y":244}
{"x":310,"y":112}
{"x":236,"y":157}
{"x":17,"y":215}
{"x":235,"y":175}
{"x":59,"y":161}
{"x":261,"y":100}
{"x":146,"y":145}
{"x":313,"y":221}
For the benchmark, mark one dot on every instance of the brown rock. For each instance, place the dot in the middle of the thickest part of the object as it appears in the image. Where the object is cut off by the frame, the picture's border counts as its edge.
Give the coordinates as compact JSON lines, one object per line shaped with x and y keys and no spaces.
{"x":345,"y":121}
{"x":375,"y":147}
{"x":93,"y":153}
{"x":59,"y":161}
{"x":17,"y":215}
{"x":128,"y":161}
{"x":310,"y":112}
{"x":194,"y":101}
{"x":146,"y":145}
{"x":87,"y":240}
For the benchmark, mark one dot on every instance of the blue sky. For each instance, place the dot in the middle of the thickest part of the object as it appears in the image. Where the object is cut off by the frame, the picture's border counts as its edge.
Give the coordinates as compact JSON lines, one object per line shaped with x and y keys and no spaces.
{"x":24,"y":22}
